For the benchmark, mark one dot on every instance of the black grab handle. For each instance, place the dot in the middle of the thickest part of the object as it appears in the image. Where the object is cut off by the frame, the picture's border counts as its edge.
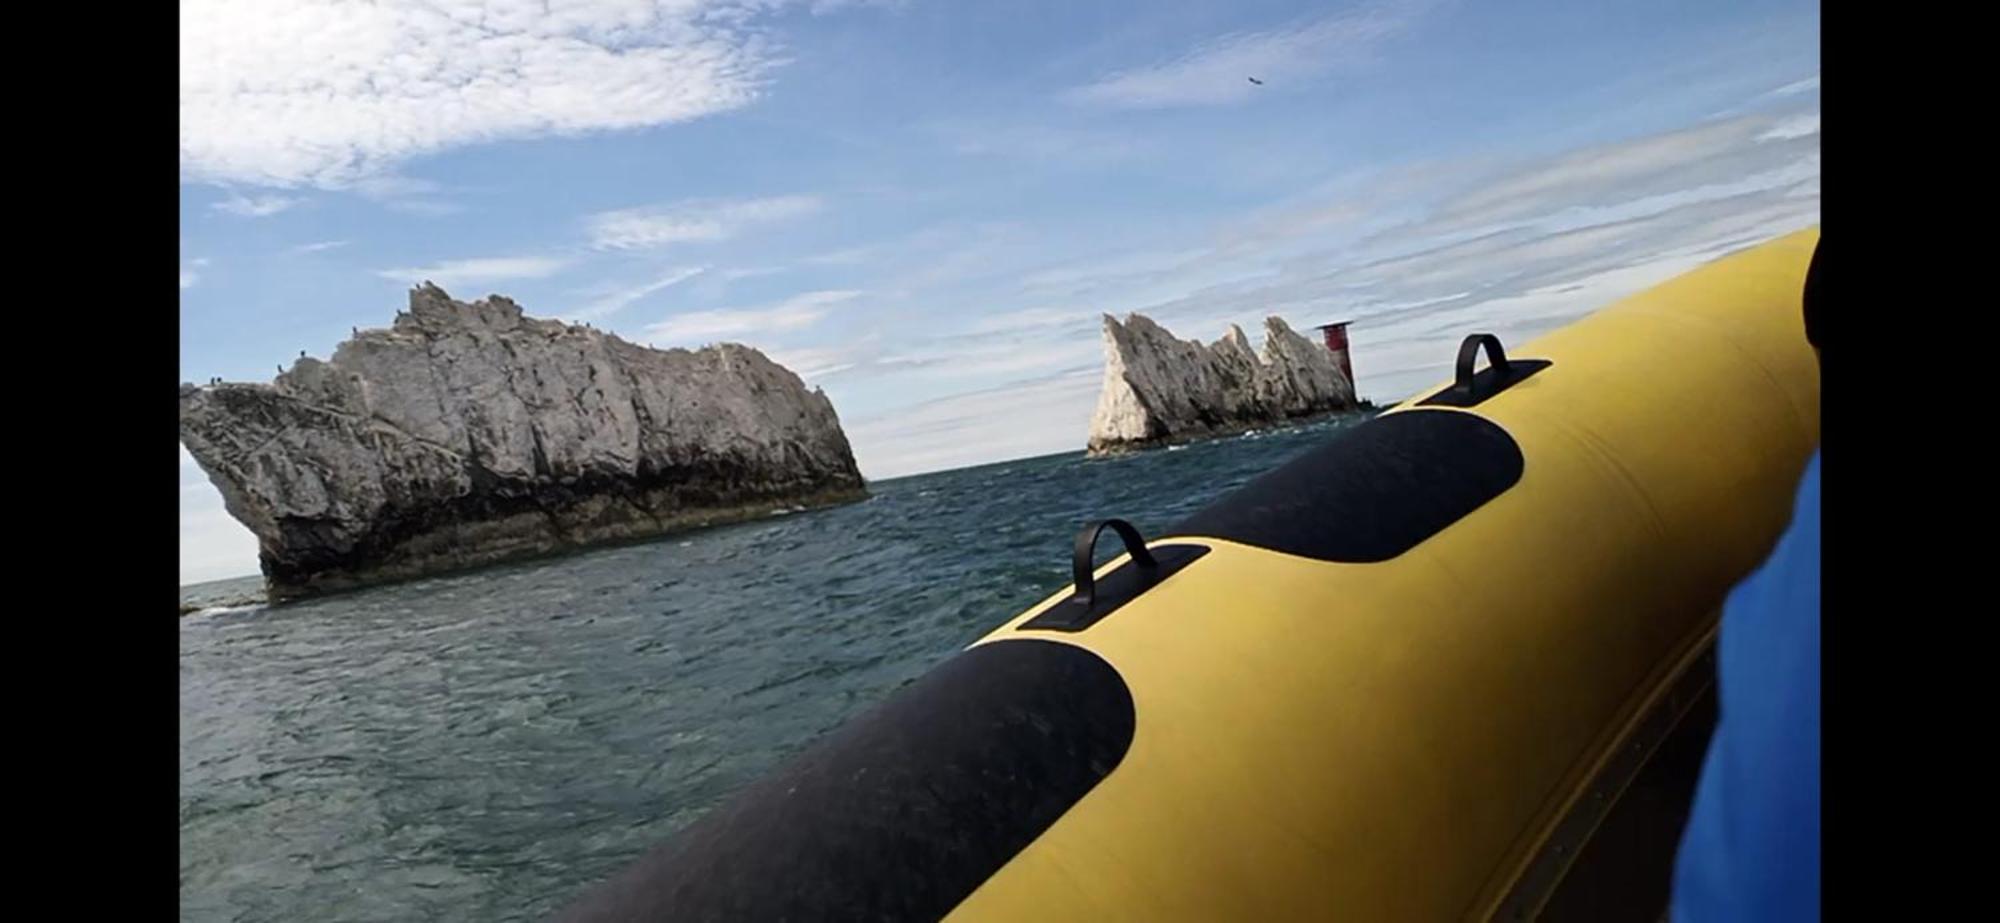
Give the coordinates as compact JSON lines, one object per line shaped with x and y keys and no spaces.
{"x":1086,"y":549}
{"x":1468,"y":353}
{"x":1472,"y":387}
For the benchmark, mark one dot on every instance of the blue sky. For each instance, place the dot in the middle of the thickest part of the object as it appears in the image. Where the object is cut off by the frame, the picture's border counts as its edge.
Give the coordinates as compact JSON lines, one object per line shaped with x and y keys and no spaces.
{"x":924,"y":206}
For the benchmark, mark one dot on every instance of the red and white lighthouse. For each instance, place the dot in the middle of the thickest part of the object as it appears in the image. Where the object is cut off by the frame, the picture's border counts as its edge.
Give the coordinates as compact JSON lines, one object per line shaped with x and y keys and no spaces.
{"x":1336,"y":343}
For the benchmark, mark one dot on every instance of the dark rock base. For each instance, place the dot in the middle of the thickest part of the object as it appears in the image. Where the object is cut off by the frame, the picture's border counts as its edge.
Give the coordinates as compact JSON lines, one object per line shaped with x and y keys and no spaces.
{"x":1219,"y":431}
{"x":535,"y":524}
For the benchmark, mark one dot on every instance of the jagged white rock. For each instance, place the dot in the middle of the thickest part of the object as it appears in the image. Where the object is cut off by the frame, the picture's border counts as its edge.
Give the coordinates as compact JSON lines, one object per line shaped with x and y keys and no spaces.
{"x":469,"y":433}
{"x":1159,"y":389}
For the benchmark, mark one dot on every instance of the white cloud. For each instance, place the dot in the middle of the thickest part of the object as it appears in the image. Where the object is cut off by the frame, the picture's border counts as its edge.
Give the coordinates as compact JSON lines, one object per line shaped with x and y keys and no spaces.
{"x":1401,"y":357}
{"x":256,"y":206}
{"x":1028,"y":319}
{"x":213,"y":544}
{"x":1804,"y":169}
{"x":966,"y":359}
{"x":847,"y":256}
{"x":1105,"y":273}
{"x":1019,"y":420}
{"x":319,"y":246}
{"x":1517,"y":284}
{"x":1795,"y":127}
{"x":696,"y":327}
{"x":823,"y":7}
{"x":820,"y":361}
{"x":1218,"y":72}
{"x":189,"y":272}
{"x":1592,"y":173}
{"x":406,"y":194}
{"x":611,"y":301}
{"x":942,"y":256}
{"x":1793,"y":89}
{"x":749,"y":272}
{"x":388,"y":186}
{"x":451,"y":273}
{"x":291,"y":93}
{"x":688,"y":222}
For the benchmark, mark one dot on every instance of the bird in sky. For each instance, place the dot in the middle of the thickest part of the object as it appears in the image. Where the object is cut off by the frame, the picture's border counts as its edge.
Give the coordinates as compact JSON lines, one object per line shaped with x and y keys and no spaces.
{"x":1256,"y":81}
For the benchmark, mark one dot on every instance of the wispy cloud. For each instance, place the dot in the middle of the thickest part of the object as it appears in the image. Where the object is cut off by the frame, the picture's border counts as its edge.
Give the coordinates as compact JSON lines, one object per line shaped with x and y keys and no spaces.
{"x":1218,"y":72}
{"x":696,"y":327}
{"x":1807,"y":85}
{"x":1417,"y":255}
{"x":1411,"y":308}
{"x":1631,"y":169}
{"x":1796,"y":127}
{"x":818,"y":362}
{"x":1022,"y":419}
{"x":298,"y":93}
{"x":478,"y":270}
{"x":983,"y":356}
{"x":612,"y":300}
{"x":190,"y":272}
{"x":256,"y":206}
{"x":688,"y":222}
{"x":407,"y":194}
{"x":943,"y":256}
{"x":749,"y":272}
{"x":1027,"y":319}
{"x":1043,"y":145}
{"x":1102,"y":274}
{"x":823,"y":7}
{"x":846,"y":256}
{"x":319,"y":246}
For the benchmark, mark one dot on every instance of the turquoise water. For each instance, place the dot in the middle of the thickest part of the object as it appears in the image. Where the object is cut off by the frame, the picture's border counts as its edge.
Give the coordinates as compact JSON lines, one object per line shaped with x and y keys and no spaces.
{"x":478,"y":747}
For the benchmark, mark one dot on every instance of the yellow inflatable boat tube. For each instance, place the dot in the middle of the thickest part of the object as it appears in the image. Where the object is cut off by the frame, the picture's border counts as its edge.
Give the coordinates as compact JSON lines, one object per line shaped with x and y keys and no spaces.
{"x":1403,"y":677}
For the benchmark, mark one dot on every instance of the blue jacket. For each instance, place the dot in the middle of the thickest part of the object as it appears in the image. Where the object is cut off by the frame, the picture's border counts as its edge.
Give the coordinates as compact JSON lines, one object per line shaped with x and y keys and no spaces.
{"x":1751,"y":847}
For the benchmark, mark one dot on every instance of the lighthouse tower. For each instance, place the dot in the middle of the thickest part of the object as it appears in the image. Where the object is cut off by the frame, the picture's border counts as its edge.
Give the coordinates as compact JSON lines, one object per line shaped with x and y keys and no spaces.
{"x":1336,"y":343}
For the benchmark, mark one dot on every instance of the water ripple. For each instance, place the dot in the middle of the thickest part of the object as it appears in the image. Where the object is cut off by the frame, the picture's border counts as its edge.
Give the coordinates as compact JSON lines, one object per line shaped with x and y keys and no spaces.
{"x":479,"y":746}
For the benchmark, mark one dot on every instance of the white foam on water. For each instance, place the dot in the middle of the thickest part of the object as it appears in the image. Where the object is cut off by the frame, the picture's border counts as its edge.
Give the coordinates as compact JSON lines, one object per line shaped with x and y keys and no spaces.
{"x":212,"y":611}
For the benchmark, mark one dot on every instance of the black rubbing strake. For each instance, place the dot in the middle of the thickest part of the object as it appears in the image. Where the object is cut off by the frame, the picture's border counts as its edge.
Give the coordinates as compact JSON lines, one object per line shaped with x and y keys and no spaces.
{"x":903,"y":812}
{"x":1370,"y":493}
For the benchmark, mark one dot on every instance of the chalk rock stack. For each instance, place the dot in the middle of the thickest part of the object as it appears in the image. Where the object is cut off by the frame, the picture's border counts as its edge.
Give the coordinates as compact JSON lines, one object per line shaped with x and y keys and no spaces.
{"x":1160,"y":390}
{"x":470,"y":433}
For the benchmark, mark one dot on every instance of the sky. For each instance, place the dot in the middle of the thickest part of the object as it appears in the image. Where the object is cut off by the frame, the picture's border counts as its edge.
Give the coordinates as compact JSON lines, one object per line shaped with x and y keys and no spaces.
{"x":924,"y":207}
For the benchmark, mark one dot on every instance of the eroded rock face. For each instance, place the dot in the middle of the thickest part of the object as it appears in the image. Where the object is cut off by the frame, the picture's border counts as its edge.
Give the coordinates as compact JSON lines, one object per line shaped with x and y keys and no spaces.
{"x":1160,"y":390}
{"x":469,"y":433}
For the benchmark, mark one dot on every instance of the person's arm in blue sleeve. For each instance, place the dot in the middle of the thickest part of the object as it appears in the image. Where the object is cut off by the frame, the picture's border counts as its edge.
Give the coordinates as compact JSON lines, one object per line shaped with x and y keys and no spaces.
{"x":1751,"y":847}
